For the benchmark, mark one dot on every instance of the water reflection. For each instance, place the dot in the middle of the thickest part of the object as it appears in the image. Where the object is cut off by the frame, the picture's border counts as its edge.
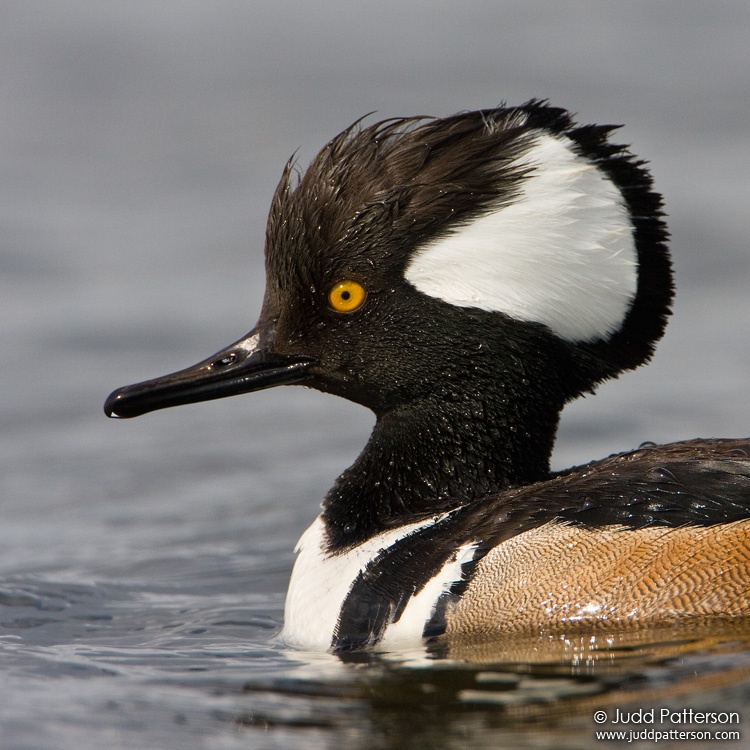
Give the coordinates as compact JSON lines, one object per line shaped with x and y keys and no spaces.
{"x":532,"y":692}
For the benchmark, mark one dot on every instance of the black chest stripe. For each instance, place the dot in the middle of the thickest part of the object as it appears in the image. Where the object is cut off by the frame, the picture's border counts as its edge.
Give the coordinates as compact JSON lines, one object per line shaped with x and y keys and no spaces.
{"x":382,"y":590}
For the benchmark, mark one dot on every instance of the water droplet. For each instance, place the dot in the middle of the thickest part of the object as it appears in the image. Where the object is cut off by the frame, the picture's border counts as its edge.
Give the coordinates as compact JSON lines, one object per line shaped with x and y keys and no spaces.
{"x":588,"y":502}
{"x":660,"y":474}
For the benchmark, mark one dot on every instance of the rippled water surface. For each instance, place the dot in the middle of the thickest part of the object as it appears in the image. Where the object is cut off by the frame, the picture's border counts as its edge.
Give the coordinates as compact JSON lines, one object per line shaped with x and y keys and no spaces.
{"x":144,"y":563}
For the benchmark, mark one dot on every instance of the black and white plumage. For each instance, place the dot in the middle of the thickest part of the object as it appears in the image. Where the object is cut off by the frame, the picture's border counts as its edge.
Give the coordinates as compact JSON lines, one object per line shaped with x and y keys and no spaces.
{"x":464,"y":278}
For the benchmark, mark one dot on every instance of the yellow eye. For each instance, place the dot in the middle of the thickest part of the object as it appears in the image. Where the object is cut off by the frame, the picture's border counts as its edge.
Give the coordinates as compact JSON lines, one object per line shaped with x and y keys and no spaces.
{"x":346,"y":296}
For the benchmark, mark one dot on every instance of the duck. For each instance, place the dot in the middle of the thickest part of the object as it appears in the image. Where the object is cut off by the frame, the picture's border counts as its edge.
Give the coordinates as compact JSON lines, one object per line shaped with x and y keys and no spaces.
{"x":464,"y":278}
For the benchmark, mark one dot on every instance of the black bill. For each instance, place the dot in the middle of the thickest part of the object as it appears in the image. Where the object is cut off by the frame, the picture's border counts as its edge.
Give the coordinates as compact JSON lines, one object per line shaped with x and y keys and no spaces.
{"x":249,"y":364}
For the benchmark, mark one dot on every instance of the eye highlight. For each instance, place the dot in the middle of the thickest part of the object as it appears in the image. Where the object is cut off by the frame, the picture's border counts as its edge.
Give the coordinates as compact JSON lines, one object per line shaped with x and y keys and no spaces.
{"x":347,"y":296}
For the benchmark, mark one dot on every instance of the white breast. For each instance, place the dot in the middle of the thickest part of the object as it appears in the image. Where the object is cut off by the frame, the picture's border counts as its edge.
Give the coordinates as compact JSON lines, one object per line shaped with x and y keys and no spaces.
{"x":321,"y":581}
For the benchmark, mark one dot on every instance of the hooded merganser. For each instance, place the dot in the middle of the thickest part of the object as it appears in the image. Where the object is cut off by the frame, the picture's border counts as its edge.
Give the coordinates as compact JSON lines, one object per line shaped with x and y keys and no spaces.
{"x":464,"y":278}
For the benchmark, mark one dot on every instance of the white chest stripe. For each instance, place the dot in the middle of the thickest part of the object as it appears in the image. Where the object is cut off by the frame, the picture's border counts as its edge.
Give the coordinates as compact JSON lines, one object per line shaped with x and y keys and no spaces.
{"x":320,"y":583}
{"x":561,"y":254}
{"x":420,"y":608}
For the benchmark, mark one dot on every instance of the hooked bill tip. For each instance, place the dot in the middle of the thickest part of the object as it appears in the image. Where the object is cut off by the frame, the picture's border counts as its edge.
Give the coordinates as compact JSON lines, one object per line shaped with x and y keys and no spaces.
{"x":111,"y":405}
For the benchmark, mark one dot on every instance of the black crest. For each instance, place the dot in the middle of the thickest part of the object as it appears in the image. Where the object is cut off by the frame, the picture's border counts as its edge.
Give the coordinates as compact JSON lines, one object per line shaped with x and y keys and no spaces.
{"x":375,"y":192}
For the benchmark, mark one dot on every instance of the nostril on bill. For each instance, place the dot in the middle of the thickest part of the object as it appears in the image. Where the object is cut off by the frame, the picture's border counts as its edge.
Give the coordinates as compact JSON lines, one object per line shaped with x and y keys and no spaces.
{"x":229,"y":359}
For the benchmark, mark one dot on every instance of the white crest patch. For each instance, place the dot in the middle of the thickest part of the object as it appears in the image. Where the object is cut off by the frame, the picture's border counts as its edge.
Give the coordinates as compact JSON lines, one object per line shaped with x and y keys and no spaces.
{"x":562,"y":253}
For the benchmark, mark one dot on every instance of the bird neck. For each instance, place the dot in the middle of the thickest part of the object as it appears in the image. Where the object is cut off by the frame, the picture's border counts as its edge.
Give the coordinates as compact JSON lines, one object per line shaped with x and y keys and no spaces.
{"x":436,"y":453}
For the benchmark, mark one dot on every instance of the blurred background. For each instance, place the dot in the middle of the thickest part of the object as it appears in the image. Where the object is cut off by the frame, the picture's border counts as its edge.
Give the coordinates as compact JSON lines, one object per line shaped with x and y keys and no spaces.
{"x":140,"y":143}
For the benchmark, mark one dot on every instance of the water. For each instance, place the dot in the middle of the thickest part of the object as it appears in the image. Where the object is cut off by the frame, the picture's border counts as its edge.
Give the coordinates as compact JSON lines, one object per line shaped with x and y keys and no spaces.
{"x":144,"y":564}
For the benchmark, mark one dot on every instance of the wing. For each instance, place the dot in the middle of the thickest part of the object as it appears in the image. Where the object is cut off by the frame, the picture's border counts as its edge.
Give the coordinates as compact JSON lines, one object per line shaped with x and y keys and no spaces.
{"x":698,"y":483}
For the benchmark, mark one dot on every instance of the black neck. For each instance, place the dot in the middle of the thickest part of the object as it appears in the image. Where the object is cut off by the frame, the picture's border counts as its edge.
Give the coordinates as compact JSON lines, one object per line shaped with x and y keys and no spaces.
{"x":434,"y":454}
